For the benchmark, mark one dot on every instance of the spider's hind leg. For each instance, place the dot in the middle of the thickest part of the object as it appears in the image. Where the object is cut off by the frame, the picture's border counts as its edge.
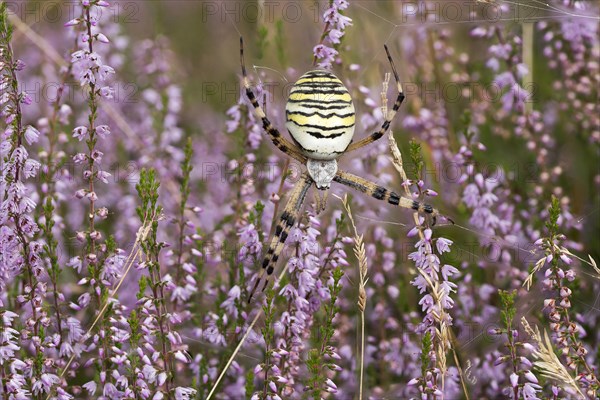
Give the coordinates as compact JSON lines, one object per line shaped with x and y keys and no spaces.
{"x":287,"y":220}
{"x":321,"y":200}
{"x":380,"y":193}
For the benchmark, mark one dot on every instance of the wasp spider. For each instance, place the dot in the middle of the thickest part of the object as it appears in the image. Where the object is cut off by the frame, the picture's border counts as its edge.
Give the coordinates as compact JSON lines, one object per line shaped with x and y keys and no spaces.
{"x":320,"y":118}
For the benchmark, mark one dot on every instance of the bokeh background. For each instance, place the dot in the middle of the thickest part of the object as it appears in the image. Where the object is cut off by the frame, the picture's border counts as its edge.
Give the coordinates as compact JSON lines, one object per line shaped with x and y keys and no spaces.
{"x":502,"y":97}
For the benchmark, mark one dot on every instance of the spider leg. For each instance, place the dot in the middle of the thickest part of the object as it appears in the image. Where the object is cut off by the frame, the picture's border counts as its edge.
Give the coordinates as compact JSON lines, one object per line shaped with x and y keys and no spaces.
{"x":287,"y":219}
{"x":388,"y":120}
{"x":279,"y":141}
{"x":380,"y":193}
{"x":321,"y":200}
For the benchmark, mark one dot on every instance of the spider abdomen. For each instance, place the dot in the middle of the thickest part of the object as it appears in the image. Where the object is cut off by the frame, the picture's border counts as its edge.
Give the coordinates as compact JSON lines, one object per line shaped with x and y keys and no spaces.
{"x":320,"y":115}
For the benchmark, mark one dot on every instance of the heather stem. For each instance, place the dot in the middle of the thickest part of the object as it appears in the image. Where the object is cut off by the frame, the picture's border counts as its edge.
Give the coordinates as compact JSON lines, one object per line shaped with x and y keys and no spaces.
{"x":268,"y":333}
{"x":12,"y":190}
{"x":91,"y":142}
{"x":186,"y":169}
{"x":51,"y":246}
{"x":150,"y":211}
{"x":564,"y":326}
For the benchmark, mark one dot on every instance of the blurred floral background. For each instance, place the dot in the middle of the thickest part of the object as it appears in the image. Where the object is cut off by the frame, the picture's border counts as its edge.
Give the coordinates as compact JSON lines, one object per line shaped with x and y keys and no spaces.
{"x":139,"y":193}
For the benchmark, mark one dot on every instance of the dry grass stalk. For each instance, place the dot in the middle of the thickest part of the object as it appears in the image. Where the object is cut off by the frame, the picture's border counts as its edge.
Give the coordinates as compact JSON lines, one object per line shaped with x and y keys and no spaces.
{"x":595,"y":266}
{"x":538,"y":265}
{"x":592,"y":263}
{"x":135,"y":253}
{"x":443,"y":332}
{"x":241,"y":343}
{"x":547,"y":363}
{"x":361,"y":256}
{"x":560,"y":250}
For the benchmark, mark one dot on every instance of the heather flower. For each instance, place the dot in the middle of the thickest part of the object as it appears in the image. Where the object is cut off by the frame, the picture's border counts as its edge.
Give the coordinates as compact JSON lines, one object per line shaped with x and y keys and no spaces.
{"x":567,"y":335}
{"x":44,"y":384}
{"x":9,"y":338}
{"x":251,"y":246}
{"x":235,"y":115}
{"x":230,"y":305}
{"x":184,"y":393}
{"x":325,"y":52}
{"x":103,"y":131}
{"x":479,"y":32}
{"x":21,"y":254}
{"x":80,"y":132}
{"x":31,"y":135}
{"x":30,"y":170}
{"x":434,"y":308}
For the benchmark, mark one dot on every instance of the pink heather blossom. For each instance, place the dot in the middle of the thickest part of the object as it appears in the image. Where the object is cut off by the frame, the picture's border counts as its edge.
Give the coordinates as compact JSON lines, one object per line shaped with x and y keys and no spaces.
{"x":31,"y":135}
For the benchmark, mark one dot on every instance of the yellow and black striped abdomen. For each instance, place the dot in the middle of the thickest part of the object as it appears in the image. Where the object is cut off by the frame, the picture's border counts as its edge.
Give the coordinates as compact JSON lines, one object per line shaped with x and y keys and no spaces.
{"x":320,"y":115}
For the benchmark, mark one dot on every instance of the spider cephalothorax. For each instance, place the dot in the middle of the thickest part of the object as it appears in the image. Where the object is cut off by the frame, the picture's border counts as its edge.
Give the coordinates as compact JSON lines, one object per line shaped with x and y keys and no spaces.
{"x":320,"y":117}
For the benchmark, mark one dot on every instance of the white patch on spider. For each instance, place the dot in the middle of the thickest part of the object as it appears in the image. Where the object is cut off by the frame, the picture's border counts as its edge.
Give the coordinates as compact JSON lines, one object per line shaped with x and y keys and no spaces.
{"x":322,"y":171}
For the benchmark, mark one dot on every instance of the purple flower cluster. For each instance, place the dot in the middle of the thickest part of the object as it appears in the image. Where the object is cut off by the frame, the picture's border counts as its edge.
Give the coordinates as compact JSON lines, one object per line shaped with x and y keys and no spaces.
{"x":309,"y":271}
{"x":429,"y":263}
{"x":558,"y":273}
{"x":434,"y":280}
{"x":21,"y":255}
{"x":335,"y":24}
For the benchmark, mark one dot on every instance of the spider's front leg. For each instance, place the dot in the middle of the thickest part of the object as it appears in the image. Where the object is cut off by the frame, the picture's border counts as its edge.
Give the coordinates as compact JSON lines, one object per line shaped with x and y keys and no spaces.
{"x":279,"y":141}
{"x":380,"y":193}
{"x":389,"y":118}
{"x":287,"y":220}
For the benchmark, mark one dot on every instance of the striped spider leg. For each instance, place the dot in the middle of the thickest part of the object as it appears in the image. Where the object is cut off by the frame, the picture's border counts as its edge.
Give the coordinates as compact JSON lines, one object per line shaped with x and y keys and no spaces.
{"x":389,"y":118}
{"x":279,"y":141}
{"x":287,"y":220}
{"x":320,"y":118}
{"x":380,"y":193}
